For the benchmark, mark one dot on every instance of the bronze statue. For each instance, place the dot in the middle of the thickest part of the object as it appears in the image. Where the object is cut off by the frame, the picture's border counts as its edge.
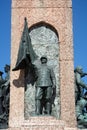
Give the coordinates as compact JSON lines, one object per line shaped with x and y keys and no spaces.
{"x":6,"y":89}
{"x":81,"y":114}
{"x":4,"y":98}
{"x":40,"y":74}
{"x":79,"y":84}
{"x":44,"y":84}
{"x":80,"y":98}
{"x":1,"y":93}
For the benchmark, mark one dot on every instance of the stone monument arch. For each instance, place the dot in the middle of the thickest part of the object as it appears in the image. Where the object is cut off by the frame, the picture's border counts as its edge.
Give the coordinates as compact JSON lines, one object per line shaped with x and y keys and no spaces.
{"x":43,"y":23}
{"x":45,"y":41}
{"x":58,"y":14}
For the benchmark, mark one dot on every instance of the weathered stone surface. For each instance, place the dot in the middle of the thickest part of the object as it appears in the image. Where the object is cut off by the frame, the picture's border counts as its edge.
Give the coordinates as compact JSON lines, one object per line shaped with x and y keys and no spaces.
{"x":35,"y":15}
{"x":14,"y":128}
{"x":68,"y":103}
{"x":45,"y":128}
{"x":41,"y":3}
{"x":70,"y":128}
{"x":44,"y":123}
{"x":17,"y":101}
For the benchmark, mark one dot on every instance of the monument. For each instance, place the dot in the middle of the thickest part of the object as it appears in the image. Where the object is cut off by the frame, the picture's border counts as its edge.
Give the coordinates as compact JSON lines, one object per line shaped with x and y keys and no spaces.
{"x":46,"y":35}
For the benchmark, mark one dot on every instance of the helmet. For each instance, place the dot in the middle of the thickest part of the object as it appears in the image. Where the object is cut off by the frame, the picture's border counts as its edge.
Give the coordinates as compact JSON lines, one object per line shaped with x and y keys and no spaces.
{"x":78,"y":68}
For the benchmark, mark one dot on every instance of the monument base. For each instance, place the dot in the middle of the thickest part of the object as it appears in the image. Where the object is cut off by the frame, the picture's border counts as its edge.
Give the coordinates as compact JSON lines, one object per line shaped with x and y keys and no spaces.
{"x":45,"y":128}
{"x":43,"y":123}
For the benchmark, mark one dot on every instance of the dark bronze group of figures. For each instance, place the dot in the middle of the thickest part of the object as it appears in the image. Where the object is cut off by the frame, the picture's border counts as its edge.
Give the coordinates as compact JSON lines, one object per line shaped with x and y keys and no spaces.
{"x":4,"y":97}
{"x":43,"y":77}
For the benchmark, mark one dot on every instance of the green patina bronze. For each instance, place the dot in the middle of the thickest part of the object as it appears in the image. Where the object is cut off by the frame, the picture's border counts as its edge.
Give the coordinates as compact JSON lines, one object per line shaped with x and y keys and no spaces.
{"x":80,"y":98}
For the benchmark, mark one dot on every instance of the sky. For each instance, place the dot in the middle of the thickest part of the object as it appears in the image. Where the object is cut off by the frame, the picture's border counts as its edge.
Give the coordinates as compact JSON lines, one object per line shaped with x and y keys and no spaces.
{"x":5,"y":33}
{"x":79,"y":33}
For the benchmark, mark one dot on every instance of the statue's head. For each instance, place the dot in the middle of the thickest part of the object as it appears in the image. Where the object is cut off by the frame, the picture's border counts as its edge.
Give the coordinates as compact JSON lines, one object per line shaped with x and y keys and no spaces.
{"x":78,"y":69}
{"x":7,"y":68}
{"x":43,"y":59}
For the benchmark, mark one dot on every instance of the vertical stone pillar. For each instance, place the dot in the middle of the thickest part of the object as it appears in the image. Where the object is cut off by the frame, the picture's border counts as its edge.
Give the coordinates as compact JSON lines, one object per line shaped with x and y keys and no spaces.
{"x":58,"y":13}
{"x":67,"y":70}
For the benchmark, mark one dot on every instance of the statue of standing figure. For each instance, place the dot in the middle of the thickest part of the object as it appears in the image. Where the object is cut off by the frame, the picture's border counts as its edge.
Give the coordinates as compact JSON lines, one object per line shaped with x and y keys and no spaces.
{"x":43,"y":75}
{"x":45,"y":83}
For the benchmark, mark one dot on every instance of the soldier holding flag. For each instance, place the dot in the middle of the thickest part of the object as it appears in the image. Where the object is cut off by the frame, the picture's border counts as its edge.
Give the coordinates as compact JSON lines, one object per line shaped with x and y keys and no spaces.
{"x":43,"y":74}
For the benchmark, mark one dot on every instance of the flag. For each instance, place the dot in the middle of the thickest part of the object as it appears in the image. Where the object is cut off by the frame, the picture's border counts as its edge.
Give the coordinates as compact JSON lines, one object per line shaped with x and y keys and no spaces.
{"x":26,"y":54}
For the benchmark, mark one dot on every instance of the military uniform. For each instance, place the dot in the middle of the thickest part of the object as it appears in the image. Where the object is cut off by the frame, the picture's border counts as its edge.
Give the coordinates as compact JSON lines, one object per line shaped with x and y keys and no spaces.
{"x":45,"y":81}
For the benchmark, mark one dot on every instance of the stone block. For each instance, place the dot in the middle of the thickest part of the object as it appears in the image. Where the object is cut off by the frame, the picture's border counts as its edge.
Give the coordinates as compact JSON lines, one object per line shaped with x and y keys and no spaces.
{"x":66,"y":128}
{"x":40,"y":3}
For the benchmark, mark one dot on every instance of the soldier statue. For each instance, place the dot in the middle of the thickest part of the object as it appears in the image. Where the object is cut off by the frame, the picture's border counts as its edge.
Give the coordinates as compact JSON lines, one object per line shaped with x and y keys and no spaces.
{"x":80,"y":97}
{"x":1,"y":93}
{"x":4,"y":98}
{"x":6,"y":89}
{"x":45,"y":82}
{"x":79,"y":84}
{"x":43,"y":75}
{"x":81,"y":114}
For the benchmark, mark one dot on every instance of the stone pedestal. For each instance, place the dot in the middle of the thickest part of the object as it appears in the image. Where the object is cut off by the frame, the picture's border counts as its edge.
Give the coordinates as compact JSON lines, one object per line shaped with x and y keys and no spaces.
{"x":57,"y":13}
{"x":43,"y":123}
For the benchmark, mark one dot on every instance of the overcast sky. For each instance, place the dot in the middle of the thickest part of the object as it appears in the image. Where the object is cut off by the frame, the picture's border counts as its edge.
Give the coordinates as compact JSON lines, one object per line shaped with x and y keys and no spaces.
{"x":79,"y":33}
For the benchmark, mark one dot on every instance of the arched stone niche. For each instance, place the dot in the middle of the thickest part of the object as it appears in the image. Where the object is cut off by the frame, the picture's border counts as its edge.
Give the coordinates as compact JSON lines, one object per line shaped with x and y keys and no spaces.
{"x":44,"y":38}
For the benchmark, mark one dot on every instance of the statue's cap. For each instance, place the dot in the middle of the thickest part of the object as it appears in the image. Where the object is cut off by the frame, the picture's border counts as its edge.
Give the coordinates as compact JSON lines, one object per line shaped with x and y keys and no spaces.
{"x":43,"y":57}
{"x":25,"y":19}
{"x":1,"y":72}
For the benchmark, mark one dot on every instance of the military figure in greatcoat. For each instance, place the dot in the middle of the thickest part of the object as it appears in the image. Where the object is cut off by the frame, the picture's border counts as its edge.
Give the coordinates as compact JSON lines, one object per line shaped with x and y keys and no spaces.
{"x":44,"y":85}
